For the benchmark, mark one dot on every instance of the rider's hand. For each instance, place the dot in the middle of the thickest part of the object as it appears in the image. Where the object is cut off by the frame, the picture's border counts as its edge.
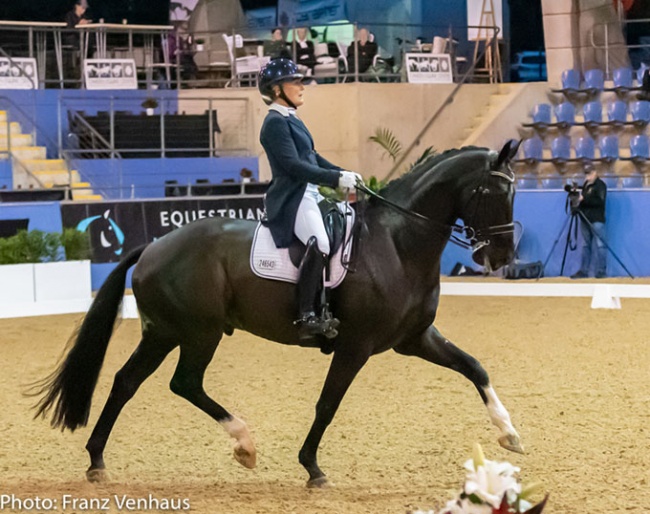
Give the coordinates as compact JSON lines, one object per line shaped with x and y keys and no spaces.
{"x":348,"y":179}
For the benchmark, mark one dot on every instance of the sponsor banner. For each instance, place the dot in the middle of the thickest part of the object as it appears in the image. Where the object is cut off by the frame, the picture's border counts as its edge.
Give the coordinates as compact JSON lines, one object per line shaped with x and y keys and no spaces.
{"x":429,"y":68}
{"x":304,"y":13}
{"x":18,"y":73}
{"x":110,"y":74}
{"x":116,"y":228}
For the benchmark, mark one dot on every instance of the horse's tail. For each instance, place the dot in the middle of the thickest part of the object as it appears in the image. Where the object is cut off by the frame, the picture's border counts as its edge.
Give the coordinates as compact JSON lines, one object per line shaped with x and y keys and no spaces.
{"x":69,"y":389}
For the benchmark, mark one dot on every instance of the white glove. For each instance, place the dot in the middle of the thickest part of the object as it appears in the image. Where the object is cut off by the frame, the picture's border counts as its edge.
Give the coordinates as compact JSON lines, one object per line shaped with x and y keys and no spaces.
{"x":348,"y":179}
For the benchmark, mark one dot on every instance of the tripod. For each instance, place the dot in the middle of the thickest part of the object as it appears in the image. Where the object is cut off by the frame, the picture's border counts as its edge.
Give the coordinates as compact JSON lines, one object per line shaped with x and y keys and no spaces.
{"x":572,"y":221}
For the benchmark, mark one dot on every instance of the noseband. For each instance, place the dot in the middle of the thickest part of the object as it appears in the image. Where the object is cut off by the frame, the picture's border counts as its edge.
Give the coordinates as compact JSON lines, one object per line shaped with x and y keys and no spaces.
{"x":475,"y":238}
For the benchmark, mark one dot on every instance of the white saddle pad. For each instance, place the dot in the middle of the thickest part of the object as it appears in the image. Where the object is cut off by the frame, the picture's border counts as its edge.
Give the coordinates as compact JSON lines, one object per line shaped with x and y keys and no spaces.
{"x":273,"y":263}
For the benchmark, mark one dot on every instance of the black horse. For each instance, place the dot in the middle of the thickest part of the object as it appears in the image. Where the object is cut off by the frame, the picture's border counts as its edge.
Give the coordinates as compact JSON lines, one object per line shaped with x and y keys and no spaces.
{"x":195,"y":284}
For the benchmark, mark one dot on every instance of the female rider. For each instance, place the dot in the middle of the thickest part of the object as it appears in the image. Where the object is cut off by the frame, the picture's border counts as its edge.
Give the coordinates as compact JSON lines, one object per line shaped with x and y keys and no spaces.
{"x":292,"y":198}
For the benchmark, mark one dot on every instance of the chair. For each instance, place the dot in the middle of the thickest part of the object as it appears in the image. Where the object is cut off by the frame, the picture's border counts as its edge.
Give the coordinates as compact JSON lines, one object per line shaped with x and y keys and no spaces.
{"x":245,"y":68}
{"x":533,"y":150}
{"x":326,"y":66}
{"x":570,"y":83}
{"x":632,"y":182}
{"x":594,"y":81}
{"x":623,"y":81}
{"x":541,"y":117}
{"x":640,"y":111}
{"x":640,"y":149}
{"x":585,"y":149}
{"x":617,"y":113}
{"x":527,"y":181}
{"x":561,"y":150}
{"x":608,"y":146}
{"x":552,"y":183}
{"x":565,"y":115}
{"x":592,"y":113}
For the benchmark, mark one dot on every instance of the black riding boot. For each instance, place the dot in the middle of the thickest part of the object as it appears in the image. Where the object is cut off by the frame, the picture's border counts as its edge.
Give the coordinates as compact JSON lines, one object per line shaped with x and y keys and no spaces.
{"x":315,"y":318}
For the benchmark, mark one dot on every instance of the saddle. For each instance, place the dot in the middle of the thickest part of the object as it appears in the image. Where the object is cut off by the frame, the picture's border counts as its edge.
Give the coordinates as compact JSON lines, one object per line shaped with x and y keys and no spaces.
{"x":282,"y":264}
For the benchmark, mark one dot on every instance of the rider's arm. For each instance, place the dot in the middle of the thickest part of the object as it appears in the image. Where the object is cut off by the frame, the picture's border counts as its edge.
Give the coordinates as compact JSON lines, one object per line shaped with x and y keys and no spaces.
{"x":277,"y":141}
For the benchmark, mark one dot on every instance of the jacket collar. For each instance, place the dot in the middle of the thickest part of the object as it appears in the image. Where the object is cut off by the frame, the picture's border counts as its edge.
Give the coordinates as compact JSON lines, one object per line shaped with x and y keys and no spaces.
{"x":282,"y":109}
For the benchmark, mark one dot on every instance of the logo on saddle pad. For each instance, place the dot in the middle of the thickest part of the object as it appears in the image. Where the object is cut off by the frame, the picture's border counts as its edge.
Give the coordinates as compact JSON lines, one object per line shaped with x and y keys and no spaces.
{"x":273,"y":263}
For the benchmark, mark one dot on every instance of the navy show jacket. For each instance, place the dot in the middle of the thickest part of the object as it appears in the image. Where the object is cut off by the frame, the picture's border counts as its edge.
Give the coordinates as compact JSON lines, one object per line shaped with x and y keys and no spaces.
{"x":294,"y":164}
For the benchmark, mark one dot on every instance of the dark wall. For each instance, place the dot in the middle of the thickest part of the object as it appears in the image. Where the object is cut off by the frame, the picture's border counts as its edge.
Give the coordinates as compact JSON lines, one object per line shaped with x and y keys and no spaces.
{"x":149,"y":12}
{"x":526,"y":25}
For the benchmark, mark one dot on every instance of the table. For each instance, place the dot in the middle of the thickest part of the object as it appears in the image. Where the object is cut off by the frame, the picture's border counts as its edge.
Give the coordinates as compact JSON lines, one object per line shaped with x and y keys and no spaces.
{"x":148,"y":31}
{"x":38,"y":31}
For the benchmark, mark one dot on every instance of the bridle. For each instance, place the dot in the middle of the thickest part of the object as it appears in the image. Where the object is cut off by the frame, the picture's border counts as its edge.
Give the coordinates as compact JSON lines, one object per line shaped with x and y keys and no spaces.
{"x":475,"y":238}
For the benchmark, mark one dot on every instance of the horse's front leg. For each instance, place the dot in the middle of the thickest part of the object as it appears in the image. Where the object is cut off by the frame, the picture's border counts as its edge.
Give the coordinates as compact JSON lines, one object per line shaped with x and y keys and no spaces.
{"x":434,"y":347}
{"x":345,"y":366}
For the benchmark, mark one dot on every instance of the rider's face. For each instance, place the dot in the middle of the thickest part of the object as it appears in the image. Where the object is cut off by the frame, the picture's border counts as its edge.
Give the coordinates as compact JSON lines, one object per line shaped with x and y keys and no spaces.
{"x":293,"y":91}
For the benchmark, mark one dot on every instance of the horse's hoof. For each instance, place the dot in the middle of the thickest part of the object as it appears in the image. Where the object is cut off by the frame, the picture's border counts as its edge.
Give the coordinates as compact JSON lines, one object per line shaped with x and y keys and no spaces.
{"x":97,"y":476}
{"x":247,"y":458}
{"x":511,"y":442}
{"x":319,"y":483}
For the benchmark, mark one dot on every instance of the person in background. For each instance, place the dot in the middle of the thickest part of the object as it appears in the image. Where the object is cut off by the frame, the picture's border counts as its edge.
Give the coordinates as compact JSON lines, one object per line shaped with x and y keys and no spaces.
{"x":277,"y":47}
{"x":77,"y":15}
{"x":592,"y":206}
{"x":366,"y":49}
{"x":292,"y":199}
{"x":304,"y":50}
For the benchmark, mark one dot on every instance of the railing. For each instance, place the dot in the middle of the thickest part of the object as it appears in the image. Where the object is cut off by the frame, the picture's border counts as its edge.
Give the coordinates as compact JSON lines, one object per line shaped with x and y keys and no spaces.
{"x":607,"y":45}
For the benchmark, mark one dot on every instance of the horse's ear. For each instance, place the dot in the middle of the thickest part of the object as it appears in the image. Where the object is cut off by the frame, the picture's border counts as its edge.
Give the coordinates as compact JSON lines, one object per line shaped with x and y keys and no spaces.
{"x":507,"y":153}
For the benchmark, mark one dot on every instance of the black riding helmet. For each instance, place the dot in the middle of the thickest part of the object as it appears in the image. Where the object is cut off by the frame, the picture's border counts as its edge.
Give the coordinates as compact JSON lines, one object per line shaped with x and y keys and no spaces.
{"x":274,"y":73}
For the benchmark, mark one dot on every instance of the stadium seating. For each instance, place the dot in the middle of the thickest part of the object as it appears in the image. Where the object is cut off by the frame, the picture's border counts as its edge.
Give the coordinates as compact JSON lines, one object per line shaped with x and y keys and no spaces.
{"x":623,"y":81}
{"x":640,"y":149}
{"x":533,"y":150}
{"x":617,"y":113}
{"x":594,"y":81}
{"x":570,"y":83}
{"x":561,"y":150}
{"x":608,"y":146}
{"x":541,"y":117}
{"x":640,"y":111}
{"x":592,"y":113}
{"x":565,"y":115}
{"x":585,"y":149}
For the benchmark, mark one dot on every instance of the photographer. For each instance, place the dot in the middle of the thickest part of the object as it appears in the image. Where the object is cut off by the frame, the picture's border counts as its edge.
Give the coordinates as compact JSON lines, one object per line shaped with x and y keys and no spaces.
{"x":591,"y":205}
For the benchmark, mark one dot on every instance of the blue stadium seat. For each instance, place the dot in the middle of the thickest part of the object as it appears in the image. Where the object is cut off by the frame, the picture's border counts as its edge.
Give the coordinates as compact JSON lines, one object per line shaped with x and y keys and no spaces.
{"x":633,"y":181}
{"x":565,"y":115}
{"x":611,"y":181}
{"x":608,"y":146}
{"x":561,"y":150}
{"x":592,"y":113}
{"x":640,"y":111}
{"x":527,"y":181}
{"x":623,"y":81}
{"x":552,"y":183}
{"x":541,"y":117}
{"x":570,"y":83}
{"x":640,"y":149}
{"x":533,"y":150}
{"x":585,"y":149}
{"x":617,"y":113}
{"x":594,"y":81}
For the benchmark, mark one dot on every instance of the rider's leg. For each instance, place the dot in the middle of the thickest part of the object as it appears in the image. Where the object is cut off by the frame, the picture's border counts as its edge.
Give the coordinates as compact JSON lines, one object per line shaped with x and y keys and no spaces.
{"x":310,"y":230}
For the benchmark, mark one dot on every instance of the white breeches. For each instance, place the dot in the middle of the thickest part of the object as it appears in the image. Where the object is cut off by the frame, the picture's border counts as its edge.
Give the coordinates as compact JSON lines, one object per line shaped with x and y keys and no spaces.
{"x":309,"y":221}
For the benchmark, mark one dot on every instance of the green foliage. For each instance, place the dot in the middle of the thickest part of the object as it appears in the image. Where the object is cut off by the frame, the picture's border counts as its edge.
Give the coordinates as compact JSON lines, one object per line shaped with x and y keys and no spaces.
{"x":76,"y":244}
{"x":387,"y":140}
{"x":37,"y":246}
{"x":392,"y":146}
{"x":374,"y":184}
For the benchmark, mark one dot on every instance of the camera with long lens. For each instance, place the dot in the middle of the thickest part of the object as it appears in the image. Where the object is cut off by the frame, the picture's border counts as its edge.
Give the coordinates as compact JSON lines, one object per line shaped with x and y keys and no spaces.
{"x":574,"y":195}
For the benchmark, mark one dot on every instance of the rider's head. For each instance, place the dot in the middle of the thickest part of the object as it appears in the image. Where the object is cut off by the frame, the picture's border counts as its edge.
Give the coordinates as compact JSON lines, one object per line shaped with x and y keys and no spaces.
{"x":273,"y":79}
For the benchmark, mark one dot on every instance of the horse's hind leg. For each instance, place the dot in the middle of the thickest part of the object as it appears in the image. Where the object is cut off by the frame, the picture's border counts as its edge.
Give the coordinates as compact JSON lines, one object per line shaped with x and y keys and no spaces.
{"x":145,"y":360}
{"x":434,"y":347}
{"x":187,"y":382}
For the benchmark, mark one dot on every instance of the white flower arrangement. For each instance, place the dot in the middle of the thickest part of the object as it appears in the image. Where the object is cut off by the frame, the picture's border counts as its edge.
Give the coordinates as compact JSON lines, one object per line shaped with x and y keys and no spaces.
{"x":490,"y":487}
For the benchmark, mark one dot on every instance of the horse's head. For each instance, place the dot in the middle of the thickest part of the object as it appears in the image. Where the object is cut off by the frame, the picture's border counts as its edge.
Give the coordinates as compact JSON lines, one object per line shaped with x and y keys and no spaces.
{"x":487,"y":211}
